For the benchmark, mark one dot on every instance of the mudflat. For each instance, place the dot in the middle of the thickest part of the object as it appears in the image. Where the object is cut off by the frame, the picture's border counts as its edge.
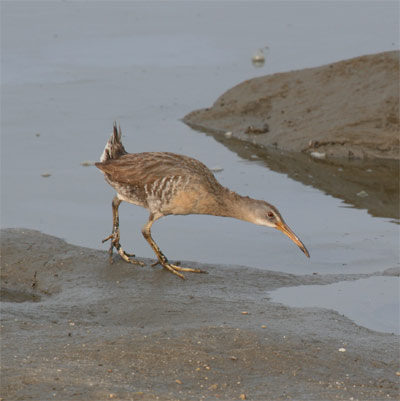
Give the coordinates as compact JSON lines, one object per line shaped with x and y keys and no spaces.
{"x":75,"y":327}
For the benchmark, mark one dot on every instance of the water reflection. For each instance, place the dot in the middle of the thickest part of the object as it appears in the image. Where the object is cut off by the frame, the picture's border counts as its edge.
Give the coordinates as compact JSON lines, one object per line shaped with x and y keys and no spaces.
{"x":365,"y":184}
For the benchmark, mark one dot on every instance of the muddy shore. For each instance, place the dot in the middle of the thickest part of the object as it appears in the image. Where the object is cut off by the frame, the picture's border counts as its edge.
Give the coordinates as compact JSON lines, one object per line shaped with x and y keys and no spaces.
{"x":76,"y":327}
{"x":348,"y":109}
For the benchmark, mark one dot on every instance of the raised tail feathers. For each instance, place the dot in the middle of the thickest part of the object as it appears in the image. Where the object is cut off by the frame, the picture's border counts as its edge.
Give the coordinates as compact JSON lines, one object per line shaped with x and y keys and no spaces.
{"x":114,"y":148}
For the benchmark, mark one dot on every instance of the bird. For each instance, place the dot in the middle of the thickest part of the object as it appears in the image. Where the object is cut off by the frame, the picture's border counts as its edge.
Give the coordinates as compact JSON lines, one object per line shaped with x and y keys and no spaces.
{"x":172,"y":184}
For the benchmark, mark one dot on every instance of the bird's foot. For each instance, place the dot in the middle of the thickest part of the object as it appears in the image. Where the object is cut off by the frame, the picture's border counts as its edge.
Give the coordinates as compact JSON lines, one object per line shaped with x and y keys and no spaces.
{"x":176,"y":269}
{"x":128,"y":257}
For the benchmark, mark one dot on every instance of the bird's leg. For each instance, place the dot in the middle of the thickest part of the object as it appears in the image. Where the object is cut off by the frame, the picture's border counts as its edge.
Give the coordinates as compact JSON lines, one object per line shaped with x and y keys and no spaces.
{"x":162,"y":259}
{"x":115,"y":236}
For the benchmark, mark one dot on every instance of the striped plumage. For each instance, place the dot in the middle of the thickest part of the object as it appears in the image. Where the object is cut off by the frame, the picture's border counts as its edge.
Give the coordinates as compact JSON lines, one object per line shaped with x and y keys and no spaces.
{"x":156,"y":180}
{"x":167,"y":183}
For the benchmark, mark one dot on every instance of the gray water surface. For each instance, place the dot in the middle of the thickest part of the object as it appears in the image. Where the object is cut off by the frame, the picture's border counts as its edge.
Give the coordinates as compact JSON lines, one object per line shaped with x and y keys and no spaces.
{"x":69,"y":69}
{"x":374,"y":301}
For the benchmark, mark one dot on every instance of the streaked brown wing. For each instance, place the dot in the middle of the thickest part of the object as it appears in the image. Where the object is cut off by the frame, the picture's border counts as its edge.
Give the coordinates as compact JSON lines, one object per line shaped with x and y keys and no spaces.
{"x":139,"y":168}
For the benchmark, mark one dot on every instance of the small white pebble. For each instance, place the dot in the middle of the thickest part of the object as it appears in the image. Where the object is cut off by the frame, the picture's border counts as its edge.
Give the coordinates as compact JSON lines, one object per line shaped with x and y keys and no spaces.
{"x":258,"y":57}
{"x":318,"y":155}
{"x":228,"y":134}
{"x":342,"y":349}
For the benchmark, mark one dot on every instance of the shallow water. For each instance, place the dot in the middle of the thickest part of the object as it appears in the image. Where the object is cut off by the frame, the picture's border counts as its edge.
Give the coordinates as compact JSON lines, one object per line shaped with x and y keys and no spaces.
{"x":70,"y":69}
{"x":374,"y":300}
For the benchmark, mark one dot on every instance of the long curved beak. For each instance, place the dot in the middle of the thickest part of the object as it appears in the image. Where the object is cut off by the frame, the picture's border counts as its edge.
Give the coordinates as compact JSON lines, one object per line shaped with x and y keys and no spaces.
{"x":281,"y":226}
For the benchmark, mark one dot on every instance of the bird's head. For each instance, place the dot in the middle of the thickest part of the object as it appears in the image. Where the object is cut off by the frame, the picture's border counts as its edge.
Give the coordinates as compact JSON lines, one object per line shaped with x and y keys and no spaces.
{"x":264,"y":214}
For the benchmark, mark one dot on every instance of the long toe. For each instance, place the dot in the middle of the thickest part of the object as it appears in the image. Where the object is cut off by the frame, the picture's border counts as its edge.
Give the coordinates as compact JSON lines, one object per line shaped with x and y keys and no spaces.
{"x":176,"y":269}
{"x":127,"y":257}
{"x":189,"y":269}
{"x":172,"y":269}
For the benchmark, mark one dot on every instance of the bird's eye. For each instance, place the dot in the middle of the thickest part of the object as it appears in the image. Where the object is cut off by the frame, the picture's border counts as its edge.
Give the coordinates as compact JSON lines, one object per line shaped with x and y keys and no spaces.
{"x":270,"y":215}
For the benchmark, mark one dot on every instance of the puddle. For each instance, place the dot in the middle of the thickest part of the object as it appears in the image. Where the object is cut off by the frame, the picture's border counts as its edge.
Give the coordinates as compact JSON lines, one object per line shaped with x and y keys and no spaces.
{"x":372,"y":302}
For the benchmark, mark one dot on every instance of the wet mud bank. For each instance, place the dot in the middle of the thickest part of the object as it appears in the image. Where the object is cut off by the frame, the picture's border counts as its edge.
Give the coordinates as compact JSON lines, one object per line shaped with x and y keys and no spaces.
{"x":347,"y":109}
{"x":76,"y":327}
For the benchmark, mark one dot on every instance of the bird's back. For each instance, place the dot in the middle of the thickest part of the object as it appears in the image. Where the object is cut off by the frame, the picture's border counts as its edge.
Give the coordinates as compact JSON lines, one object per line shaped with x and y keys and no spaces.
{"x":145,"y":168}
{"x":163,"y":182}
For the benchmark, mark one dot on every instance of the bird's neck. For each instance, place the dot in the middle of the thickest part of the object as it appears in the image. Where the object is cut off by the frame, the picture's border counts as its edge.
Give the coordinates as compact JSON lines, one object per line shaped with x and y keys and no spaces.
{"x":236,"y":206}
